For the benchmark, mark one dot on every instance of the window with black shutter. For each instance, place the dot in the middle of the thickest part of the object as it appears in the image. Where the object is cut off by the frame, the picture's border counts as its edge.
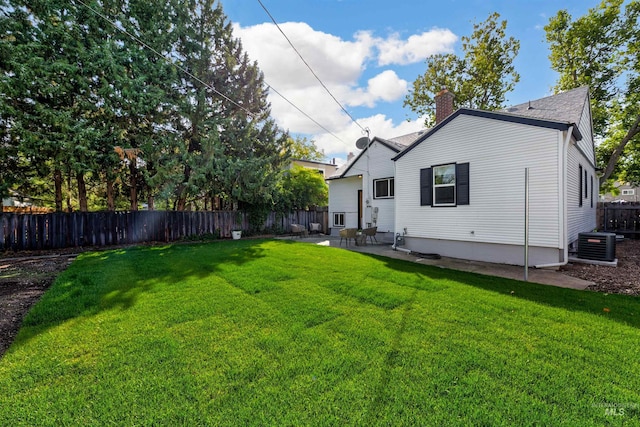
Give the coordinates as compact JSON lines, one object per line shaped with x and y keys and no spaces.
{"x":445,"y":185}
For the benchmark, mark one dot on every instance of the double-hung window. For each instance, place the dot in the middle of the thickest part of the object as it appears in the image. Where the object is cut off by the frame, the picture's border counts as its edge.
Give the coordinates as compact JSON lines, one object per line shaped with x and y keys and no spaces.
{"x":338,"y":219}
{"x":383,"y":188}
{"x":445,"y":185}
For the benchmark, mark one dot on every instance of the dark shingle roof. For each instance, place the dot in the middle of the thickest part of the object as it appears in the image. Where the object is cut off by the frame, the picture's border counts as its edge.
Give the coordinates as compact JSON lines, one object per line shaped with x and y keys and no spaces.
{"x":566,"y":106}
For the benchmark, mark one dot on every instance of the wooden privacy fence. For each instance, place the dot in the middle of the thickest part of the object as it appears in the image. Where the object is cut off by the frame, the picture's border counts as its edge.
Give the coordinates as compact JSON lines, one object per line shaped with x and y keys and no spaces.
{"x":62,"y":230}
{"x":620,"y":218}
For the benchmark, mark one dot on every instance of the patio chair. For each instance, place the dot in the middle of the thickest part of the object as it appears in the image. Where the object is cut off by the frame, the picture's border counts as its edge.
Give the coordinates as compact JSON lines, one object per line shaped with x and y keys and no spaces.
{"x":370,"y":233}
{"x":348,"y":233}
{"x":315,"y":227}
{"x":299,"y":230}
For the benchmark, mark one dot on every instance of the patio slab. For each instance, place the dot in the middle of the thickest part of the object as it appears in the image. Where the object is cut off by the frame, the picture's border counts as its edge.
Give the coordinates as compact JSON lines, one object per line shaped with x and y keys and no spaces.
{"x":542,"y":276}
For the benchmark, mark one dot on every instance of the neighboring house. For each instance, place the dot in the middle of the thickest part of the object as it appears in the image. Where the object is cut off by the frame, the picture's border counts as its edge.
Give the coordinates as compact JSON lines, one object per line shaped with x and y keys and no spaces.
{"x":459,"y":188}
{"x":626,"y":194}
{"x":361,"y":192}
{"x":325,"y":169}
{"x":16,"y":200}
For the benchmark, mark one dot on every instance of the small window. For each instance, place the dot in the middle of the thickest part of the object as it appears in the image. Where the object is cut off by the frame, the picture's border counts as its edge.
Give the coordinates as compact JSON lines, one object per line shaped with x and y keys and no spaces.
{"x":444,"y":185}
{"x":586,"y":187}
{"x":629,"y":192}
{"x":338,"y":219}
{"x":383,"y":188}
{"x":580,"y":185}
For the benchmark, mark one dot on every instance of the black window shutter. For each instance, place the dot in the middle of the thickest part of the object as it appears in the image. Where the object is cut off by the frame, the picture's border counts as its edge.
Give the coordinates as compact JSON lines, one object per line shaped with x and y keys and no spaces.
{"x":580,"y":186}
{"x":462,"y":183}
{"x":425,"y":187}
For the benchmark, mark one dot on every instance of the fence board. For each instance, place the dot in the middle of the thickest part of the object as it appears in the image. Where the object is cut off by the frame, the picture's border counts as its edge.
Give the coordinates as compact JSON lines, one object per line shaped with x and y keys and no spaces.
{"x":59,"y":230}
{"x":620,"y":218}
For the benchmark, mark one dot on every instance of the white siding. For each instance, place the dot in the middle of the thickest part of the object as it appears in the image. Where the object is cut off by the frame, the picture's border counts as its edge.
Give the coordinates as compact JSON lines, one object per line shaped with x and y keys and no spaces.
{"x":343,"y":197}
{"x":375,"y":163}
{"x":498,"y":153}
{"x":580,"y":218}
{"x":582,"y":153}
{"x":585,"y":126}
{"x":380,"y":166}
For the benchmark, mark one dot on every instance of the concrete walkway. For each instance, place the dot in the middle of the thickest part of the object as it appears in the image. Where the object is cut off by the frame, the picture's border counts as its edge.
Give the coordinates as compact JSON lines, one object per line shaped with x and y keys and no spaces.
{"x":542,"y":276}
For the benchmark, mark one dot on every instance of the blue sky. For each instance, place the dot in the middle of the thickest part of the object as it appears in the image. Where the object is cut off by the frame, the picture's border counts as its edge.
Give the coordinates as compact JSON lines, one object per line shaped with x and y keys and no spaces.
{"x":369,"y":52}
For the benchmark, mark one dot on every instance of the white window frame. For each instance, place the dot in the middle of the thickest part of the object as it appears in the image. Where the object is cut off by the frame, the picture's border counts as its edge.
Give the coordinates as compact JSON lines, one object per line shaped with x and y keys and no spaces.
{"x":337,"y":215}
{"x":443,"y":185}
{"x":390,"y":188}
{"x":629,"y":192}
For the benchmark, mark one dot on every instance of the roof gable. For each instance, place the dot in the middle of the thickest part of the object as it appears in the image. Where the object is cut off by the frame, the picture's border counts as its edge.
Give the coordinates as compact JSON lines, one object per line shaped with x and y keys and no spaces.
{"x":396,"y":145}
{"x":554,"y":112}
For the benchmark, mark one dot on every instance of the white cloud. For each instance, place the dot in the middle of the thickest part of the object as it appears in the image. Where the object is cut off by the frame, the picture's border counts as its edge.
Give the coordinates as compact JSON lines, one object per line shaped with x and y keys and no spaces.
{"x":334,"y":60}
{"x":387,"y":86}
{"x":341,"y":65}
{"x":383,"y":127}
{"x":416,"y":48}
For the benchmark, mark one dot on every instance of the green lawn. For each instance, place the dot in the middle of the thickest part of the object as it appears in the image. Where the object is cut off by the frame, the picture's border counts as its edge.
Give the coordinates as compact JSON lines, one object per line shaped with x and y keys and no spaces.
{"x":261,"y":332}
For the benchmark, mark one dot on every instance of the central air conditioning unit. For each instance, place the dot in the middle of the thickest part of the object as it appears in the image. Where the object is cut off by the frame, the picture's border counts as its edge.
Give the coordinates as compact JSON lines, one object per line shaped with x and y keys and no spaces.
{"x":597,"y":246}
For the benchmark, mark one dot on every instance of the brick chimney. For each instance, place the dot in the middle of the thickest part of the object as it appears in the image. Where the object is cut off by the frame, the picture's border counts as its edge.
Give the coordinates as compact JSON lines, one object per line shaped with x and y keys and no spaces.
{"x":444,"y":105}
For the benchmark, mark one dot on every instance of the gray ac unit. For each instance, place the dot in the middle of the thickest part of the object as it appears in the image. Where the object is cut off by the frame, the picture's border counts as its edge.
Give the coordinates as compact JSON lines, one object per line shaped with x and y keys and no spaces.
{"x":597,"y":246}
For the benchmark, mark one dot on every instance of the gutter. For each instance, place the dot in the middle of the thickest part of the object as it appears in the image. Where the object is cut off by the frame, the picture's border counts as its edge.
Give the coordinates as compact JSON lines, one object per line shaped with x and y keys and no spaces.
{"x":565,"y":209}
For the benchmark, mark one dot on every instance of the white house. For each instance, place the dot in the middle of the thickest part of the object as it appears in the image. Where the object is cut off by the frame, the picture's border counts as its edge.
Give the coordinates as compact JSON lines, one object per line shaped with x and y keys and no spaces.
{"x":361,"y":192}
{"x":460,"y":187}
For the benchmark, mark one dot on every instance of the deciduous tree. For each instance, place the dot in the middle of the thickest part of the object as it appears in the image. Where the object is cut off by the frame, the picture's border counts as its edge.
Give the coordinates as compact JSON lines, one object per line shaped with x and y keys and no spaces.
{"x":479,"y":79}
{"x":601,"y":50}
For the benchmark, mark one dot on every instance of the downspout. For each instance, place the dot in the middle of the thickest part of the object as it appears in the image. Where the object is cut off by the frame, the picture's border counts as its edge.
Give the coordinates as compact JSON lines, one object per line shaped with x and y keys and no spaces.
{"x":565,"y":209}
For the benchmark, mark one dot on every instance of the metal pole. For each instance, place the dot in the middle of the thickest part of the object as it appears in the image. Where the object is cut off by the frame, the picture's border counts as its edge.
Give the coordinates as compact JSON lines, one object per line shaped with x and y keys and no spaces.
{"x":526,"y":224}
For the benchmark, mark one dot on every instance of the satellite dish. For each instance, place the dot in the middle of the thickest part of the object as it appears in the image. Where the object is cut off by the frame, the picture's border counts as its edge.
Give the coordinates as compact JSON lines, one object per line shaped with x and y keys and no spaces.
{"x":362,"y":142}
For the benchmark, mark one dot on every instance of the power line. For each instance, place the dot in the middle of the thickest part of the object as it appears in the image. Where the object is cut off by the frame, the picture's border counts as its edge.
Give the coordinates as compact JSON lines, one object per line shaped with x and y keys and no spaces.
{"x":309,"y":67}
{"x":187,"y":72}
{"x":306,"y":115}
{"x":165,"y":57}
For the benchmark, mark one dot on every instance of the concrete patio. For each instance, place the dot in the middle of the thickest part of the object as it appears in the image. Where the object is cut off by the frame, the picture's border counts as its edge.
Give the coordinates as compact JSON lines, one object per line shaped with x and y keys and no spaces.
{"x":542,"y":276}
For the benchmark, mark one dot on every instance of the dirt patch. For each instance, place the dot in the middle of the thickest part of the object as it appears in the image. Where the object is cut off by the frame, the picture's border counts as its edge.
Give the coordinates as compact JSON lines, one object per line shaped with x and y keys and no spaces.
{"x":623,"y":279}
{"x":23,"y":280}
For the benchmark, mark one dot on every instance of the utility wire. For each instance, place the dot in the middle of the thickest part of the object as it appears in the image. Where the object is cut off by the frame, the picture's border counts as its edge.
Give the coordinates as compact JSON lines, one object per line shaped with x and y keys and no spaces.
{"x":165,"y":57}
{"x":305,"y":114}
{"x":311,"y":69}
{"x":187,"y":72}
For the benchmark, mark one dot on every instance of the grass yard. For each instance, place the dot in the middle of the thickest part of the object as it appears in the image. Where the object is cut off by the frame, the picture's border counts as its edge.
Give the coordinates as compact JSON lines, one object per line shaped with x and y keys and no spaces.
{"x":261,"y":332}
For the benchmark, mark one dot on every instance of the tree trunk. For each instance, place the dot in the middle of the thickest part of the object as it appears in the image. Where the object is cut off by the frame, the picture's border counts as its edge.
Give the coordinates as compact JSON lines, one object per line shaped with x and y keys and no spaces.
{"x":69,"y":207}
{"x":133,"y":183}
{"x":150,"y":202}
{"x":111,"y":202}
{"x":182,"y":197}
{"x":82,"y":192}
{"x":613,"y":160}
{"x":57,"y":181}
